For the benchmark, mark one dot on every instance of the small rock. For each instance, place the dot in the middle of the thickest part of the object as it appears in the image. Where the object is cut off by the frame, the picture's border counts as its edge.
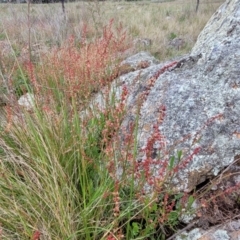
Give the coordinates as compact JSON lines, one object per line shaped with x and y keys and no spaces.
{"x":177,"y":43}
{"x":142,"y":42}
{"x":27,"y":101}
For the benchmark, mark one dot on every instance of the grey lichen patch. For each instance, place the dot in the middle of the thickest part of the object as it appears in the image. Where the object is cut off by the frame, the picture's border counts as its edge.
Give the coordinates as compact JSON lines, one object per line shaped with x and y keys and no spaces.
{"x":135,"y":60}
{"x":221,"y":234}
{"x":195,"y":234}
{"x":201,"y":95}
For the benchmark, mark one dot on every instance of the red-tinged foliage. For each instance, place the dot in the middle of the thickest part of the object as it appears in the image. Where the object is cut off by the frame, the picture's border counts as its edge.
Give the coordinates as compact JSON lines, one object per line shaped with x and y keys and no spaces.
{"x":9,"y":116}
{"x":165,"y":68}
{"x":32,"y":75}
{"x":36,"y":235}
{"x":151,"y":81}
{"x":183,"y":164}
{"x":110,"y":237}
{"x":116,"y":200}
{"x":80,"y":68}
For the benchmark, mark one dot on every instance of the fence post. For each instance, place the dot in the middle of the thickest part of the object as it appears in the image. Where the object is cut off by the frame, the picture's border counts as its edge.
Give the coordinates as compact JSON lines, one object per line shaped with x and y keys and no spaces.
{"x":197,"y":5}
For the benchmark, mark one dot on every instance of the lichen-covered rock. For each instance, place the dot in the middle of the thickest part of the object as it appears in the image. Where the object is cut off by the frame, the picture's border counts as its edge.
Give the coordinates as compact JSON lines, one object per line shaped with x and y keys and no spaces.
{"x":226,"y":231}
{"x":133,"y":74}
{"x":221,"y":32}
{"x":26,"y":101}
{"x":201,"y":97}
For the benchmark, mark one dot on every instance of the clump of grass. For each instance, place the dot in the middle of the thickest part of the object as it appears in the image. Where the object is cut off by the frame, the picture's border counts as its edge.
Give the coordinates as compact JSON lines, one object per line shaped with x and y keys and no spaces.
{"x":53,"y":172}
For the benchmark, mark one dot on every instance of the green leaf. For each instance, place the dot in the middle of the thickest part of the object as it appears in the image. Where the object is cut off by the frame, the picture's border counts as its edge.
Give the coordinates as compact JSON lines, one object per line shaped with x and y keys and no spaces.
{"x":154,"y":207}
{"x":190,"y":201}
{"x":173,"y":217}
{"x":179,"y":154}
{"x":178,"y":205}
{"x":178,"y":196}
{"x":136,"y":227}
{"x":171,"y":163}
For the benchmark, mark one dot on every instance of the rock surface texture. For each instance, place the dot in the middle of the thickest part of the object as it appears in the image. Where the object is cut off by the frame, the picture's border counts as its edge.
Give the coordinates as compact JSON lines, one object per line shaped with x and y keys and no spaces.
{"x":200,"y":96}
{"x":228,"y":231}
{"x":194,"y":102}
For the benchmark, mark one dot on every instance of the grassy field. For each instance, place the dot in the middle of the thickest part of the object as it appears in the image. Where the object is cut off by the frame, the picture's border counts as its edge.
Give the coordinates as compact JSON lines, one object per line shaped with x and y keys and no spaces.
{"x":160,"y":22}
{"x":59,"y":172}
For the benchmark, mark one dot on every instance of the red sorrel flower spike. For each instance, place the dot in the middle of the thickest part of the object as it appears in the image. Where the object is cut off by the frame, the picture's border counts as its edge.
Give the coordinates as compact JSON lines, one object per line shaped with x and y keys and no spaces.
{"x":36,"y":235}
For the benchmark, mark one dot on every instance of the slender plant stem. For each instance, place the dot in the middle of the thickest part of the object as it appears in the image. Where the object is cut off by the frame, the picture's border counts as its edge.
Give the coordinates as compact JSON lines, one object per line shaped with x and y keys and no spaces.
{"x":29,"y":31}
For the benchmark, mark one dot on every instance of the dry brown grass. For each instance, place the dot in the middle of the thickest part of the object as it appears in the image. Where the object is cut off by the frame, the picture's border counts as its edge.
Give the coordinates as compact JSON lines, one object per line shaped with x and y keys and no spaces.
{"x":158,"y":21}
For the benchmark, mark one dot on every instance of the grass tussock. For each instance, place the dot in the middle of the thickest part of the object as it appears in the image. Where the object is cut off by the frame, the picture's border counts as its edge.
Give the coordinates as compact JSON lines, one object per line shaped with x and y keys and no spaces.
{"x":51,"y":158}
